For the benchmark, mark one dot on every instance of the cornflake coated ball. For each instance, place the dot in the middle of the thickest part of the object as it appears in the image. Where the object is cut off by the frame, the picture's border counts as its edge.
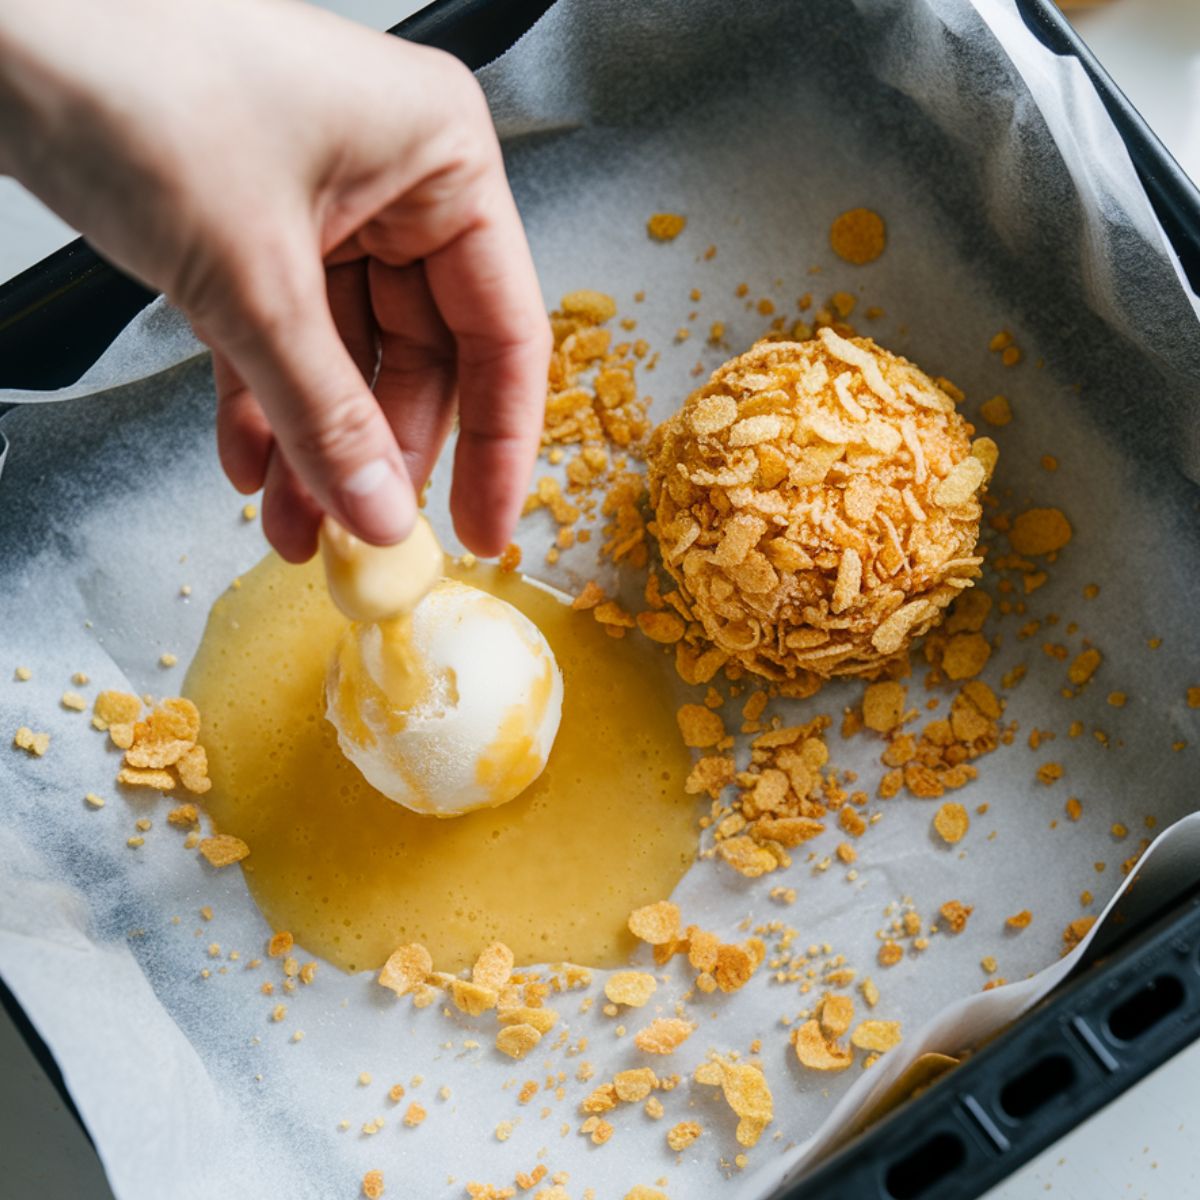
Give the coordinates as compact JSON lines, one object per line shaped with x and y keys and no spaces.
{"x":818,"y":505}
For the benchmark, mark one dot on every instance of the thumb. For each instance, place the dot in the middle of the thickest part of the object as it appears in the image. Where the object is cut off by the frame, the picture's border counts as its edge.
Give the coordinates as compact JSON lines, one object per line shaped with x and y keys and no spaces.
{"x":284,"y":344}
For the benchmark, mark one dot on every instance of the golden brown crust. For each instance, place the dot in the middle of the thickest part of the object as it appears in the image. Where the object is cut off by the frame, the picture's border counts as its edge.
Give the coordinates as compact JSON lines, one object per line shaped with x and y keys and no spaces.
{"x":818,"y":505}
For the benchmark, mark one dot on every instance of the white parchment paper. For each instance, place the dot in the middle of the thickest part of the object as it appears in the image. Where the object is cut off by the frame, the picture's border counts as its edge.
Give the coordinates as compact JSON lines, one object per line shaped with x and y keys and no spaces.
{"x":1010,"y":204}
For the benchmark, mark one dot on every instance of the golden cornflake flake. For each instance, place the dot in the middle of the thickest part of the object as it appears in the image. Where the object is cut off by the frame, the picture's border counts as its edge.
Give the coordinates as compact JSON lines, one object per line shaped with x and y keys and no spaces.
{"x":700,"y":726}
{"x":165,"y":736}
{"x":1084,"y":666}
{"x":193,"y":770}
{"x":592,"y":595}
{"x":747,"y":857}
{"x":1075,"y":932}
{"x":494,"y":967}
{"x":746,"y":1092}
{"x":663,"y":1035}
{"x":665,"y":227}
{"x":635,"y":1084}
{"x":996,"y":411}
{"x":414,"y":1114}
{"x":711,"y":774}
{"x":817,"y":1052}
{"x":280,"y":944}
{"x":1049,"y":773}
{"x":223,"y":849}
{"x":517,"y":1040}
{"x":120,"y":735}
{"x":593,"y":306}
{"x":185,"y":816}
{"x":663,"y":627}
{"x":682,"y":1135}
{"x":35,"y":744}
{"x":965,"y":655}
{"x":115,"y":708}
{"x":471,"y":998}
{"x":878,"y":1036}
{"x":858,"y":236}
{"x":951,"y":822}
{"x":406,"y":968}
{"x":1039,"y":531}
{"x":883,"y":706}
{"x":656,"y":923}
{"x":372,"y":1183}
{"x":632,"y":988}
{"x":955,"y":914}
{"x":601,"y":1100}
{"x":890,"y":953}
{"x":542,"y":1019}
{"x":835,"y":1015}
{"x":163,"y":781}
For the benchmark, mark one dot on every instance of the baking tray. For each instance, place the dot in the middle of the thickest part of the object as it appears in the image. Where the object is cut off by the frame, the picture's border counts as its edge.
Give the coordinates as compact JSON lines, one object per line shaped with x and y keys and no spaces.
{"x":1076,"y":1052}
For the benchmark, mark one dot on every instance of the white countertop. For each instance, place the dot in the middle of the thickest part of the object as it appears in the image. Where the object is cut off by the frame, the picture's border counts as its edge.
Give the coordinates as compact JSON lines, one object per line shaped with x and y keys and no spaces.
{"x":1140,"y":1148}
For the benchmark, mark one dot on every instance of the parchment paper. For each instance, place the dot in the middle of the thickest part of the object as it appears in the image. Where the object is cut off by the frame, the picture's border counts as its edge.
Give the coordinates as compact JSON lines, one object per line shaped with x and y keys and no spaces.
{"x":1010,"y":204}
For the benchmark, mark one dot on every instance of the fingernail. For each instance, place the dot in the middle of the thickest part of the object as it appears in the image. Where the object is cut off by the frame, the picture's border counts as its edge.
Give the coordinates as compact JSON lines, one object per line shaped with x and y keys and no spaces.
{"x":378,"y":503}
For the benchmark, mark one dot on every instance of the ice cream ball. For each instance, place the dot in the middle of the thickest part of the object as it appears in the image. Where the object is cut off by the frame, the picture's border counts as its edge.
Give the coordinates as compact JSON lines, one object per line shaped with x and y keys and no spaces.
{"x":452,"y":708}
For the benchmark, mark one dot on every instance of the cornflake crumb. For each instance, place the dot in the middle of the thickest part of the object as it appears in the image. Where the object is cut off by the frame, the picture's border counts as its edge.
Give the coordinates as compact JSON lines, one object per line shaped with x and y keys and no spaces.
{"x":997,"y":411}
{"x":656,"y":923}
{"x":682,"y":1135}
{"x":24,"y":674}
{"x":34,"y":744}
{"x":858,"y":236}
{"x":223,"y":849}
{"x":955,"y":914}
{"x":951,"y":822}
{"x":663,"y":1035}
{"x":632,"y":988}
{"x":877,"y":1036}
{"x":665,"y":227}
{"x":372,"y":1184}
{"x":1020,"y":920}
{"x":94,"y":800}
{"x":414,"y":1114}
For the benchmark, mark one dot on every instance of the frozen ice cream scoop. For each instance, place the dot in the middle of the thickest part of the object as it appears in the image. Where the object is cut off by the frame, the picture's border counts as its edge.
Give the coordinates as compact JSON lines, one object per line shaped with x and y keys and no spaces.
{"x":451,"y":708}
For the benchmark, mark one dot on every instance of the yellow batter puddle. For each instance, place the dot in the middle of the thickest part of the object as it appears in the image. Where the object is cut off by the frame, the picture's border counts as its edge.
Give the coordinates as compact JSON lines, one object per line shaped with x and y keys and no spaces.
{"x":606,"y":828}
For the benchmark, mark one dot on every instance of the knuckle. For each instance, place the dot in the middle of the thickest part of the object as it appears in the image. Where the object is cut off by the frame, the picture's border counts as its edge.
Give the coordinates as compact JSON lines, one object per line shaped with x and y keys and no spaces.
{"x":244,"y":287}
{"x":339,"y":432}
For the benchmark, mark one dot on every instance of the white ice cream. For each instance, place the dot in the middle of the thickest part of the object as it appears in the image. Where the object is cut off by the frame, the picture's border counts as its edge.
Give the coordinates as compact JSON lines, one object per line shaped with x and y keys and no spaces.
{"x":457,"y":711}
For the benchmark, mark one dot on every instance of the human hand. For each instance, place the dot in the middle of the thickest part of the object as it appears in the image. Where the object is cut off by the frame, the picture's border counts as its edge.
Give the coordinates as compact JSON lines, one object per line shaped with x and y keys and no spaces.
{"x":328,"y":206}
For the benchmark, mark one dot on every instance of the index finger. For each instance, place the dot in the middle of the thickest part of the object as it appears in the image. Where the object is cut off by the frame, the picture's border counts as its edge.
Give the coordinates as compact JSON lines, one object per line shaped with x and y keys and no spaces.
{"x":486,"y":288}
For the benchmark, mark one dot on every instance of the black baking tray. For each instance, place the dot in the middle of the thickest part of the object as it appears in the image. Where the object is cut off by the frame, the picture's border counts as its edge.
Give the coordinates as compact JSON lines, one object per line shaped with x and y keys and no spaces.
{"x":1077,"y":1051}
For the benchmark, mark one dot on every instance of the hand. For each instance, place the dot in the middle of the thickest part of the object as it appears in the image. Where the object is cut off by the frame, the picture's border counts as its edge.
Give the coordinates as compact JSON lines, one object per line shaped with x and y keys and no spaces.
{"x":329,"y":207}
